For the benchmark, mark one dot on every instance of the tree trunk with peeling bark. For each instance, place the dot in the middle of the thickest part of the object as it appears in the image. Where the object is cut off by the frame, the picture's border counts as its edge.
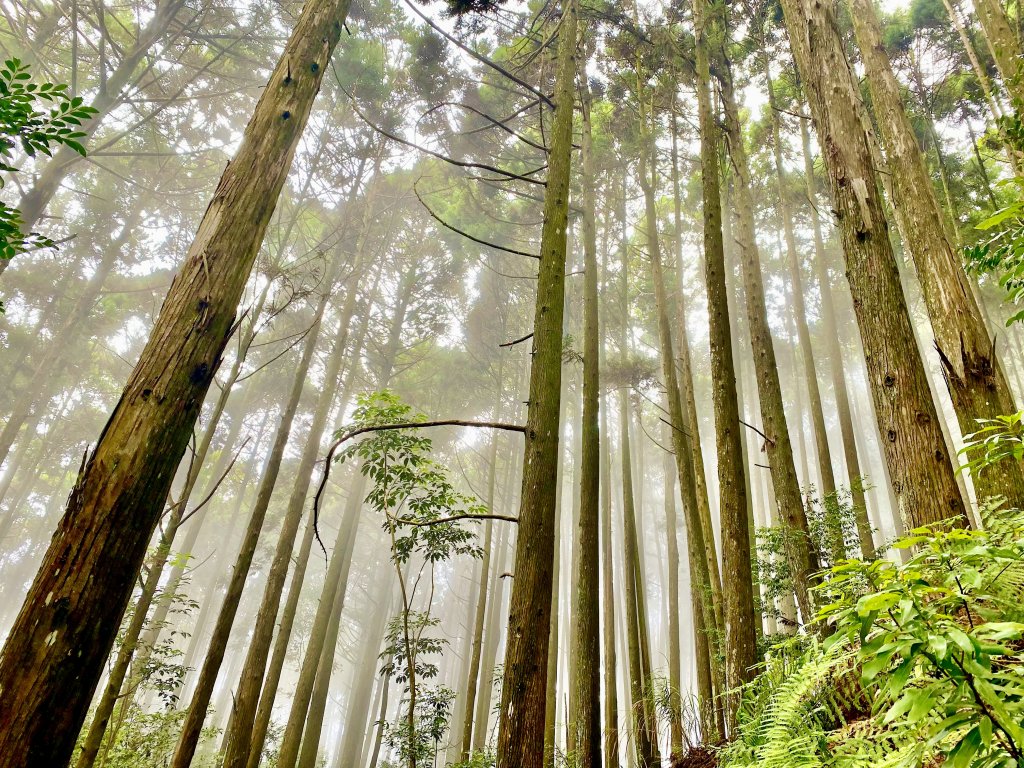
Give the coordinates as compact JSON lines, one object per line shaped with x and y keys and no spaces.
{"x":1003,"y":43}
{"x":835,"y":356}
{"x":913,"y":443}
{"x":974,"y":377}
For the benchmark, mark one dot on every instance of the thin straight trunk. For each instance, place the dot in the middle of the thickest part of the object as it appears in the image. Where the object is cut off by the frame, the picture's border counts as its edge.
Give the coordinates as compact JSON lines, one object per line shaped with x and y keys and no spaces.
{"x":972,"y":56}
{"x":642,"y":745}
{"x":53,"y":657}
{"x":479,"y":618}
{"x":611,"y":698}
{"x":584,"y":721}
{"x":676,"y":742}
{"x":680,"y":437}
{"x":239,"y":734}
{"x":521,"y":725}
{"x":335,"y":587}
{"x":480,"y":614}
{"x":52,"y":356}
{"x":777,"y":444}
{"x":220,"y":583}
{"x":551,"y":687}
{"x":272,"y":679}
{"x":197,"y":709}
{"x":708,"y":629}
{"x":650,"y":721}
{"x":21,"y":467}
{"x":491,"y":643}
{"x":914,"y":445}
{"x":379,"y":729}
{"x":459,"y":673}
{"x":738,"y":599}
{"x":358,"y":726}
{"x":835,"y":355}
{"x":314,"y":721}
{"x":973,"y":375}
{"x":824,"y":454}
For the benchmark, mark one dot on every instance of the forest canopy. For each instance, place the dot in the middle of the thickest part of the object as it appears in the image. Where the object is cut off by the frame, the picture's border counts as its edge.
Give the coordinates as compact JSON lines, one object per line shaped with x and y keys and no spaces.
{"x":394,"y":384}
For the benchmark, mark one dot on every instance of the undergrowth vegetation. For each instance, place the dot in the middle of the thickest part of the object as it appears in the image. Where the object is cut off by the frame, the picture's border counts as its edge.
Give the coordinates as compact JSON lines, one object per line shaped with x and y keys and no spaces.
{"x":922,"y":665}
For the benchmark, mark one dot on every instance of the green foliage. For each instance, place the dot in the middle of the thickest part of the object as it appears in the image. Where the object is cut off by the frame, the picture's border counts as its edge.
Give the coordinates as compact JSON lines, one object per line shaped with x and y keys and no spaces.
{"x":27,"y":125}
{"x":410,"y":490}
{"x":398,"y":649}
{"x":419,"y":744}
{"x":1002,"y":253}
{"x":832,"y":521}
{"x":935,"y":645}
{"x":148,"y":740}
{"x":998,"y":439}
{"x":939,"y":637}
{"x":481,"y":758}
{"x":786,"y":712}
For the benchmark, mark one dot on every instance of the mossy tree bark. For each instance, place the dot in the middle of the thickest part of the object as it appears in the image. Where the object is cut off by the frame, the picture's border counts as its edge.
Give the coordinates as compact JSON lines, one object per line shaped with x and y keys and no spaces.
{"x":738,"y":591}
{"x":585,"y":688}
{"x":523,"y":695}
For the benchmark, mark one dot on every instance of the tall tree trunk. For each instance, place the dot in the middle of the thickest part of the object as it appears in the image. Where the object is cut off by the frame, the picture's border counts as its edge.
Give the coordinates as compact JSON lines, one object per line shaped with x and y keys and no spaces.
{"x":708,"y":628}
{"x":492,"y":637}
{"x":611,"y":698}
{"x":643,"y":748}
{"x":914,"y":445}
{"x":675,"y":675}
{"x":738,"y":599}
{"x":777,"y":445}
{"x":972,"y":56}
{"x":680,"y":437}
{"x":584,"y":688}
{"x":358,"y":725}
{"x":314,"y":721}
{"x":824,"y":454}
{"x":238,"y":737}
{"x":335,"y":587}
{"x":480,"y":610}
{"x":974,"y":377}
{"x":272,"y":678}
{"x":479,"y":617}
{"x":126,"y":655}
{"x":551,"y":684}
{"x":521,"y":724}
{"x":54,"y":654}
{"x":197,"y":709}
{"x":855,"y":477}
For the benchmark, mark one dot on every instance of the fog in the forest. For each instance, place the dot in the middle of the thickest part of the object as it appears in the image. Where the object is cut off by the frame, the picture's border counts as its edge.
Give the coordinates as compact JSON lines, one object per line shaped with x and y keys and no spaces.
{"x":396,"y":281}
